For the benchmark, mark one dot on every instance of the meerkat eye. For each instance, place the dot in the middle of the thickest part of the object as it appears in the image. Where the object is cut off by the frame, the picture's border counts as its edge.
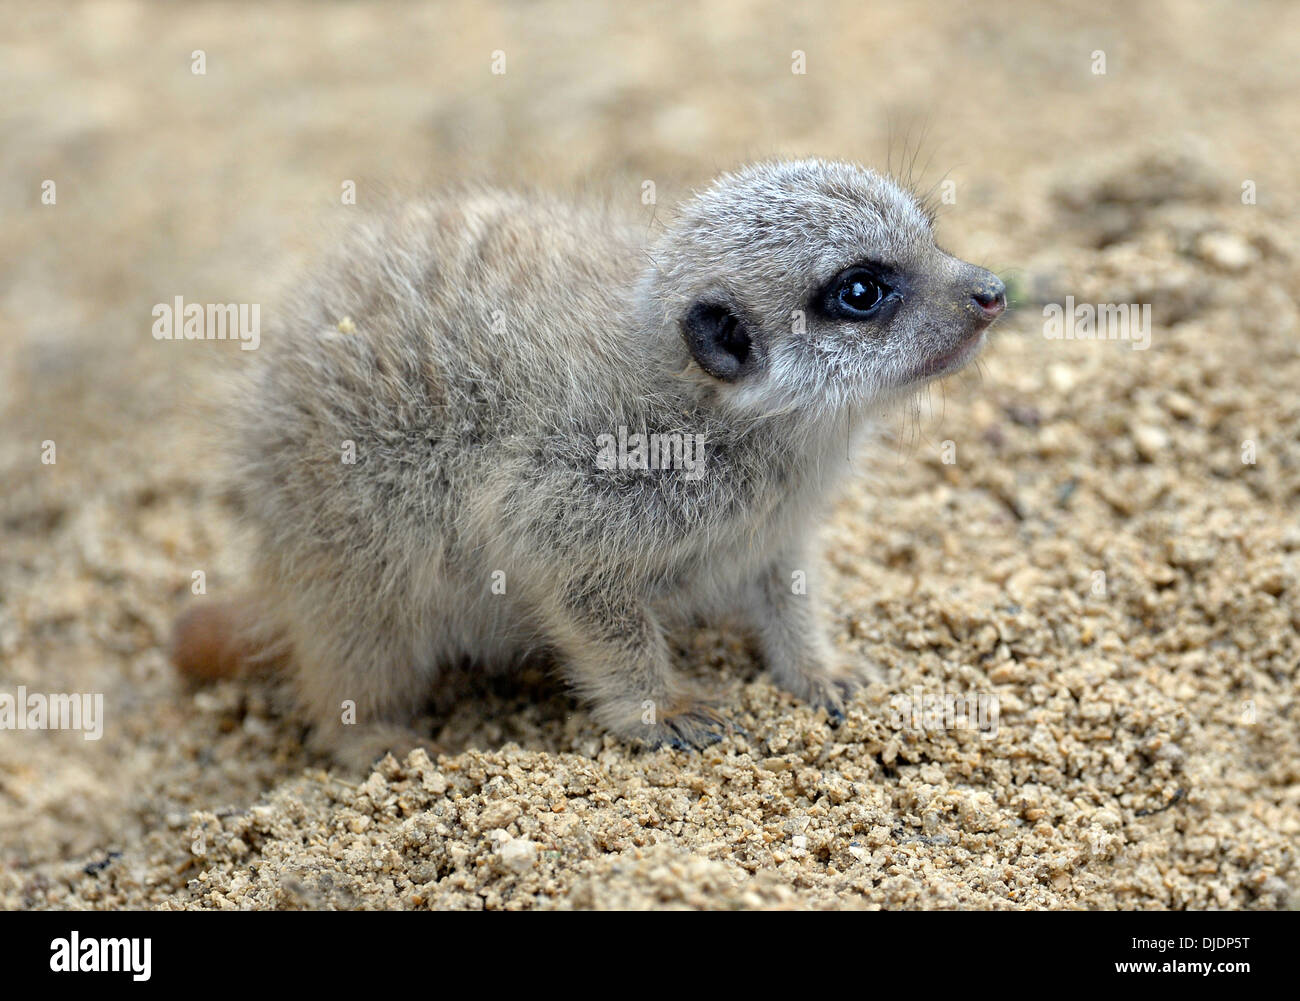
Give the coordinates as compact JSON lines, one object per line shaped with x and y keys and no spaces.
{"x":854,"y":295}
{"x":860,"y":294}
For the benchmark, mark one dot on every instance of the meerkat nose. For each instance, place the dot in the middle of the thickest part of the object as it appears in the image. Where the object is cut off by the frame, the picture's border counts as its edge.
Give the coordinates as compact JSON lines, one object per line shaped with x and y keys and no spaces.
{"x":991,"y":296}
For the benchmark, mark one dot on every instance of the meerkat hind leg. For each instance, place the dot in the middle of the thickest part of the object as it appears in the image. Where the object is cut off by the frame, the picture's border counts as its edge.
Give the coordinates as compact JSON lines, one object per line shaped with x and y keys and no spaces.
{"x":363,"y":691}
{"x":363,"y":746}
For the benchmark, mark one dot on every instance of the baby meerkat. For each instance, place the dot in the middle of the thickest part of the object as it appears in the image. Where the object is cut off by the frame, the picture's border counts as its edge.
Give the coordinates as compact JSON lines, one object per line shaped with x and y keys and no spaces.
{"x":496,"y":425}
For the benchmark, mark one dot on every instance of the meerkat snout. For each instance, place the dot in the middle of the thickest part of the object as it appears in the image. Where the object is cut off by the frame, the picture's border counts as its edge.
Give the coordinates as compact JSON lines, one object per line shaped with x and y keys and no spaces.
{"x":990,"y":296}
{"x":498,"y":426}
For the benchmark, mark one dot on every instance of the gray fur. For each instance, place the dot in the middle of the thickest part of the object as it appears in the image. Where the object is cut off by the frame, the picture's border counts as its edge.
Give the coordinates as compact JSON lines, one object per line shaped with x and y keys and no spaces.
{"x":475,"y":442}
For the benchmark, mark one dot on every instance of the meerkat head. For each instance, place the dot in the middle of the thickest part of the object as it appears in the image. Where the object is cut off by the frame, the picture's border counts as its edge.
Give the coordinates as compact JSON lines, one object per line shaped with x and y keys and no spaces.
{"x":815,"y":285}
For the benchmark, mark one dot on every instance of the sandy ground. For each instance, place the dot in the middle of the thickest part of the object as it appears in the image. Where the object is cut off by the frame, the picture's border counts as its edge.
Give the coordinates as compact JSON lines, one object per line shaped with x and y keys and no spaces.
{"x":1099,"y":557}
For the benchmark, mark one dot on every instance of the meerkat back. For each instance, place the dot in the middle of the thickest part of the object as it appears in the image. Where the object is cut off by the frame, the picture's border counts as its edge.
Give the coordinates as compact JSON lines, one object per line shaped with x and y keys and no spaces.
{"x":372,"y":432}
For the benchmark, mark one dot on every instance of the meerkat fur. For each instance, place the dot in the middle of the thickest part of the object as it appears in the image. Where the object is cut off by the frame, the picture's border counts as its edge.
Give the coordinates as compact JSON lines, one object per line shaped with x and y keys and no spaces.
{"x":416,"y":456}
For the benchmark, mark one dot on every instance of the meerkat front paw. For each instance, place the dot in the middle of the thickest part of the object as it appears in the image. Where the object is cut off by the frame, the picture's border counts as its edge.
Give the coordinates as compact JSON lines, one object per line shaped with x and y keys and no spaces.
{"x":691,"y":728}
{"x":828,"y":688}
{"x":793,"y":643}
{"x":683,"y":723}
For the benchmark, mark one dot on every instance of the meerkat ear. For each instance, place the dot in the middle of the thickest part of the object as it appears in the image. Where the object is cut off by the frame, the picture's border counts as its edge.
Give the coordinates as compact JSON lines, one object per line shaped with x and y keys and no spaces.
{"x":719,"y":341}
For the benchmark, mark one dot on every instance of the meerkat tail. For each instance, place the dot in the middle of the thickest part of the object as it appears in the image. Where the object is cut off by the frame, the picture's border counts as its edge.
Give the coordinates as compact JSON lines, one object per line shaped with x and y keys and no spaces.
{"x":212,"y":640}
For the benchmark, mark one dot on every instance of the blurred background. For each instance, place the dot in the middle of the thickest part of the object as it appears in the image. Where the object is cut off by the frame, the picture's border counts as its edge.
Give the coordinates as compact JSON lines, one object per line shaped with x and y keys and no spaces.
{"x":1117,"y":186}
